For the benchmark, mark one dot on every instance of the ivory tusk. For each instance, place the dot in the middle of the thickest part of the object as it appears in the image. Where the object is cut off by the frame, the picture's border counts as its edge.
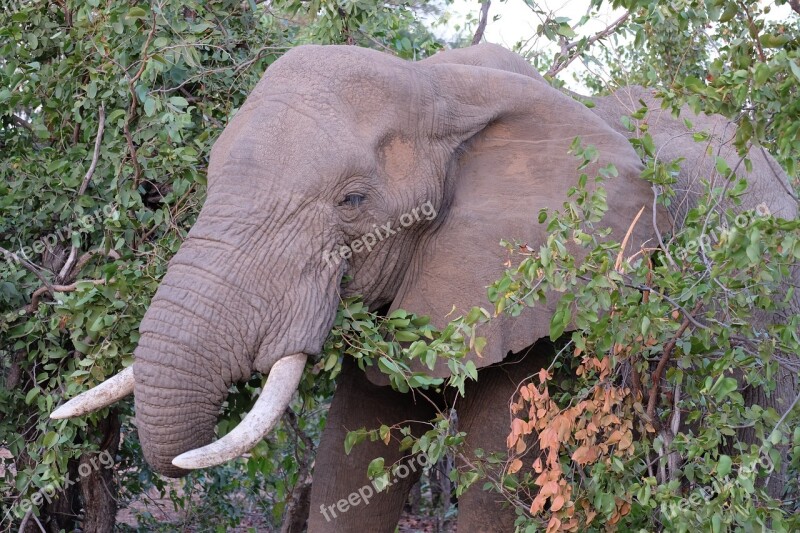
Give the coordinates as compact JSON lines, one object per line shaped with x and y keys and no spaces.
{"x":110,"y":391}
{"x":282,"y":382}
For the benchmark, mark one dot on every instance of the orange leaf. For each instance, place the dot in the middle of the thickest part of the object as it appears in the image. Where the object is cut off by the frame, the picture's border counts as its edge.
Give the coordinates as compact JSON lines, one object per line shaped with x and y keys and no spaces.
{"x":586,"y":454}
{"x":558,"y":503}
{"x":514,"y":467}
{"x":537,"y":465}
{"x":554,"y":524}
{"x":549,"y":488}
{"x":543,"y":375}
{"x":538,"y":504}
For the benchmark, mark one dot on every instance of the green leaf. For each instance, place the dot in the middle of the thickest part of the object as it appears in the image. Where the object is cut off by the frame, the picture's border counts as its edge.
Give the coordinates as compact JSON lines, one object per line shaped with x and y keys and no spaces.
{"x":136,"y":13}
{"x":178,"y":101}
{"x":795,"y":69}
{"x":722,"y":166}
{"x":645,"y":325}
{"x":32,"y":394}
{"x":375,"y":467}
{"x":405,"y":336}
{"x":352,"y":438}
{"x":561,"y":318}
{"x":723,"y":387}
{"x":149,"y":107}
{"x":472,"y":372}
{"x":50,"y":439}
{"x":565,"y":30}
{"x":724,"y":465}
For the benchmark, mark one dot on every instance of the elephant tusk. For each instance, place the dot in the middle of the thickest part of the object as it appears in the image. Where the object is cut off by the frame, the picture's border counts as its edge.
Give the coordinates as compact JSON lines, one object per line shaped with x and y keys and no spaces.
{"x":282,"y":382}
{"x":110,"y":391}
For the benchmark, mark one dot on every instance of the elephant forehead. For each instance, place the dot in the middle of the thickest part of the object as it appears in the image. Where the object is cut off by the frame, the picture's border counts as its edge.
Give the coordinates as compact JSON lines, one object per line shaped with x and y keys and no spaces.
{"x":291,"y":142}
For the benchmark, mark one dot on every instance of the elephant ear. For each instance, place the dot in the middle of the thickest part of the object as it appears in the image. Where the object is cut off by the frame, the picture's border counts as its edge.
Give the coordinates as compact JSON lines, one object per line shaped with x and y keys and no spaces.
{"x":505,"y":138}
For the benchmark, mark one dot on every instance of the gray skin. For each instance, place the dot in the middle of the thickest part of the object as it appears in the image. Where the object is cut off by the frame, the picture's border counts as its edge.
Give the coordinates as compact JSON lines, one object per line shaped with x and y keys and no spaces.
{"x":476,"y":134}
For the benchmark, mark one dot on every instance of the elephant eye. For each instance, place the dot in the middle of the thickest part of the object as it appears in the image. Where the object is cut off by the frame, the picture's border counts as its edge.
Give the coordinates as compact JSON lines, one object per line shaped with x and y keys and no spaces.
{"x":353,"y":200}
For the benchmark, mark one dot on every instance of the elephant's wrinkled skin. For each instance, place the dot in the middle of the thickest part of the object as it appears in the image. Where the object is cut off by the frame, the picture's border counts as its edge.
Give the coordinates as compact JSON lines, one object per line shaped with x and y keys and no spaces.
{"x":332,"y":142}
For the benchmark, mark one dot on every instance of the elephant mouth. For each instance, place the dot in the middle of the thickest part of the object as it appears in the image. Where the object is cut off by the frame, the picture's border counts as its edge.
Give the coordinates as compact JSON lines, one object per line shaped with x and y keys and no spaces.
{"x":282,"y":382}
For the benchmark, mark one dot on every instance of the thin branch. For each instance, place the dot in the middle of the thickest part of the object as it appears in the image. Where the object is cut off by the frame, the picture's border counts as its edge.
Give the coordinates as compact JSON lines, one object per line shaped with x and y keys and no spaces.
{"x":24,"y":524}
{"x":73,"y":253}
{"x":137,"y":169}
{"x":96,"y":155}
{"x":19,"y":121}
{"x":662,"y":365}
{"x":72,"y":287}
{"x":484,"y":18}
{"x":753,"y":31}
{"x":27,"y":264}
{"x":657,"y":231}
{"x":565,"y":58}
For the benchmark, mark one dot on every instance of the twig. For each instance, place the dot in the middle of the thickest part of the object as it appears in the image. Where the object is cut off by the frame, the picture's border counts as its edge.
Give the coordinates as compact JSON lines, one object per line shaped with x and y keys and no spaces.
{"x":565,"y":59}
{"x":96,"y":155}
{"x":754,"y":32}
{"x":778,"y":175}
{"x":646,"y":288}
{"x":24,"y":523}
{"x":27,"y":264}
{"x":67,"y":268}
{"x":137,"y":169}
{"x":662,"y":365}
{"x":618,"y":262}
{"x":484,"y":18}
{"x":38,"y":523}
{"x":19,"y":121}
{"x":657,"y":231}
{"x":72,"y":287}
{"x":291,"y":419}
{"x":85,"y":258}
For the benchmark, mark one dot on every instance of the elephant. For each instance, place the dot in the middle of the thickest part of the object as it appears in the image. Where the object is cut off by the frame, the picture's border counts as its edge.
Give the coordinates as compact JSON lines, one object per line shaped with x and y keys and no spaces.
{"x":333,"y":144}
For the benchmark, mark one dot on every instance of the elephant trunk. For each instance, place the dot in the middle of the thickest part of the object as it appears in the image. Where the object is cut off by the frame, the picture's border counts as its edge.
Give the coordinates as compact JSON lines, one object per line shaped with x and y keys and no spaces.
{"x":217,"y":317}
{"x":172,"y":419}
{"x":198,"y":337}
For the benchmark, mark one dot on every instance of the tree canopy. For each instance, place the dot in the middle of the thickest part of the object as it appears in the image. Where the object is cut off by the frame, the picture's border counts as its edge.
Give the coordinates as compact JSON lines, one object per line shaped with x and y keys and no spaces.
{"x":108,"y":111}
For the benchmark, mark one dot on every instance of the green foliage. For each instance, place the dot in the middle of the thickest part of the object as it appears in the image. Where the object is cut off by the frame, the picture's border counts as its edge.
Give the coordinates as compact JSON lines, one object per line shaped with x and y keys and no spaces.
{"x":93,"y":219}
{"x":732,"y":57}
{"x":108,"y":111}
{"x":698,"y":304}
{"x":405,"y":347}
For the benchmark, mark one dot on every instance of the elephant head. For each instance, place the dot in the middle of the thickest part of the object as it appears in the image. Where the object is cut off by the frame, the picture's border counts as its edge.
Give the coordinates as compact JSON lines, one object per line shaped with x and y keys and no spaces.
{"x":349,"y":162}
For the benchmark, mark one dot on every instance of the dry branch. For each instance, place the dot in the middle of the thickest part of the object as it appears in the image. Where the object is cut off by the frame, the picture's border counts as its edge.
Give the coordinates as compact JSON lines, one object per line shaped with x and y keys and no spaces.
{"x":72,"y":287}
{"x":484,"y":18}
{"x":565,"y":57}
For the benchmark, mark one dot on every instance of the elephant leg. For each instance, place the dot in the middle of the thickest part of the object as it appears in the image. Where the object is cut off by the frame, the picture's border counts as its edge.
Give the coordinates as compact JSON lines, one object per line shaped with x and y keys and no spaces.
{"x":483,"y":414}
{"x":342,"y":496}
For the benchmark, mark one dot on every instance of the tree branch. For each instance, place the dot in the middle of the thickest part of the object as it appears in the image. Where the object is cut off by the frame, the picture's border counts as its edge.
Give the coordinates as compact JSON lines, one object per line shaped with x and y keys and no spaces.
{"x":565,"y":59}
{"x":484,"y":18}
{"x":27,"y":264}
{"x":96,"y":155}
{"x":72,"y":287}
{"x":73,"y":253}
{"x":137,"y":169}
{"x":662,"y":365}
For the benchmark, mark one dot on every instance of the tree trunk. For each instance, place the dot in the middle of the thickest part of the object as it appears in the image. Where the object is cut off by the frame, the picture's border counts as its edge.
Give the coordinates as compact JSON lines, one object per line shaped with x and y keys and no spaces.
{"x":99,"y":488}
